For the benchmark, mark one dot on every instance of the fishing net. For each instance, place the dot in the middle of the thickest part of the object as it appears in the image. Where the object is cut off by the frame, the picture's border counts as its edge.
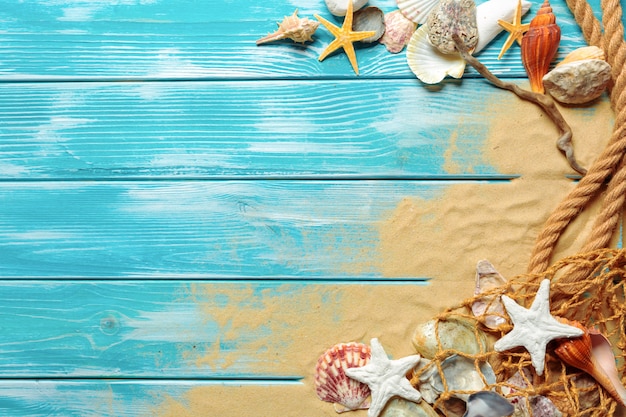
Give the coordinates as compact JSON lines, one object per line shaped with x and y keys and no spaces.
{"x":596,"y":301}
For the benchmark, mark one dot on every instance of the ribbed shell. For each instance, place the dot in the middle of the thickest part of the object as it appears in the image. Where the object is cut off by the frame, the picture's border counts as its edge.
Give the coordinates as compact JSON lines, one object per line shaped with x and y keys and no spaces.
{"x":331,"y":382}
{"x":539,"y":46}
{"x":294,"y":28}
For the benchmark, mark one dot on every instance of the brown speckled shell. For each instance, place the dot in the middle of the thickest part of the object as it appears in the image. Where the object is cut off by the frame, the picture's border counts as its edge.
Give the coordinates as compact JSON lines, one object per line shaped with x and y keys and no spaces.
{"x":539,"y":46}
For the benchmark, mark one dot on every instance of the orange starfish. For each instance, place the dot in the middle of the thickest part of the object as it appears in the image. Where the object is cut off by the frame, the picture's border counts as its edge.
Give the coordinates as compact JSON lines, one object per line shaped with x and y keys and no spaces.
{"x":344,"y":37}
{"x":516,"y":29}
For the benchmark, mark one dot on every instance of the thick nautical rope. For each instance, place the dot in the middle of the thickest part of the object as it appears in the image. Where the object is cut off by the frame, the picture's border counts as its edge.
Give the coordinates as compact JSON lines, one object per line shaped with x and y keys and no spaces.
{"x":611,"y":162}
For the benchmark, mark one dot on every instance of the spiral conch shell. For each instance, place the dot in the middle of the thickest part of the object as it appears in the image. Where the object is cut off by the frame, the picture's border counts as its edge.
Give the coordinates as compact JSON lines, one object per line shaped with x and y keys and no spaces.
{"x":592,"y":353}
{"x":539,"y":46}
{"x":294,"y":28}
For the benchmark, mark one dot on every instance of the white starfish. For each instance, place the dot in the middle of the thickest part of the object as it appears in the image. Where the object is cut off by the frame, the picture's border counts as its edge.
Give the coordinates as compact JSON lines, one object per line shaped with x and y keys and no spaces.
{"x":534,"y":328}
{"x":386,"y":378}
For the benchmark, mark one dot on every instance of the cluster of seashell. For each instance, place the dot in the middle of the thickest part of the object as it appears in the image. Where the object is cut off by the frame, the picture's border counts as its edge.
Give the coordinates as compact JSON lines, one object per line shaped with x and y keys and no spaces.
{"x":580,"y":77}
{"x":431,"y":64}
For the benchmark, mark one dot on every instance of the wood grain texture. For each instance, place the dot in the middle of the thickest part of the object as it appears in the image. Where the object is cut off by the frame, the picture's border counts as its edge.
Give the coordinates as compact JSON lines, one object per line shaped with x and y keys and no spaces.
{"x":204,"y":229}
{"x":88,"y":398}
{"x":139,"y":130}
{"x":255,"y":330}
{"x":191,"y":39}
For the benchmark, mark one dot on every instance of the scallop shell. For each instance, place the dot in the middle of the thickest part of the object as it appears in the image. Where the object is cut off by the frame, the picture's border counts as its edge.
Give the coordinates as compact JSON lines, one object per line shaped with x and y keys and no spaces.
{"x":584,"y":52}
{"x":456,"y":333}
{"x":578,"y":82}
{"x":427,"y":63}
{"x":592,"y":353}
{"x":417,"y":11}
{"x":489,"y":307}
{"x":460,"y":375}
{"x":399,"y":407}
{"x":340,"y":7}
{"x":369,"y":19}
{"x":294,"y":28}
{"x":539,"y":46}
{"x":398,"y":31}
{"x":331,"y":382}
{"x":451,"y":17}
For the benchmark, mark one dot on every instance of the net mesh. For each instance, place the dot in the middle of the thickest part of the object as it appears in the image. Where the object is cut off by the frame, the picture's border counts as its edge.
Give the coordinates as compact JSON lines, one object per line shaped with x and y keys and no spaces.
{"x":595,"y":298}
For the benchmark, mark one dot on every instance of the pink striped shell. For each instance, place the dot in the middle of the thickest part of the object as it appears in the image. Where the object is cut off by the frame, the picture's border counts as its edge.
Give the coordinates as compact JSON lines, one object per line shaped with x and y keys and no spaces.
{"x":331,"y":382}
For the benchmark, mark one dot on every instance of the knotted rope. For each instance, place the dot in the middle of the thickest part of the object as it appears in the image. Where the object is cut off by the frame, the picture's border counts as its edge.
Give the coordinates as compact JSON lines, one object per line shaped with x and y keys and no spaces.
{"x":611,"y":161}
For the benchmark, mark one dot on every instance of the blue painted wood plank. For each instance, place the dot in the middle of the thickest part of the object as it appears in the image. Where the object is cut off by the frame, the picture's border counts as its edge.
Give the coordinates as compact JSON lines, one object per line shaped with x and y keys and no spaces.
{"x":255,"y":330}
{"x":297,"y":129}
{"x":204,"y":229}
{"x":87,"y":398}
{"x":193,"y":39}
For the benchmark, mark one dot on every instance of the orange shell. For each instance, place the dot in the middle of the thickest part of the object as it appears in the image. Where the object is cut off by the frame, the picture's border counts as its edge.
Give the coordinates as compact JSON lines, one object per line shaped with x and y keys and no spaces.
{"x":539,"y":46}
{"x":591,"y":356}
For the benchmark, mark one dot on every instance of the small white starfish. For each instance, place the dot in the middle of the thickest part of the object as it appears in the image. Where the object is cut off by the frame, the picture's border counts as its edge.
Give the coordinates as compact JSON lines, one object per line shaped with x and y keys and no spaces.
{"x":386,"y":378}
{"x":534,"y":328}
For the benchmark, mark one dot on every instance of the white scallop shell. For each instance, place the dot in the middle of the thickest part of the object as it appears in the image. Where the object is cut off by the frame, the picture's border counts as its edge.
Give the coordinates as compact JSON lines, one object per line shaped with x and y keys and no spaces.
{"x":417,"y":10}
{"x":331,"y":382}
{"x":427,"y":63}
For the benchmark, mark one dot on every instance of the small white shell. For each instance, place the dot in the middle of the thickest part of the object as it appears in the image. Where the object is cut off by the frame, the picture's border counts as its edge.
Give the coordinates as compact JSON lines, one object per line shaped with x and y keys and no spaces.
{"x":427,"y":63}
{"x":417,"y":10}
{"x":398,"y":31}
{"x":331,"y":382}
{"x":340,"y":7}
{"x":579,"y":81}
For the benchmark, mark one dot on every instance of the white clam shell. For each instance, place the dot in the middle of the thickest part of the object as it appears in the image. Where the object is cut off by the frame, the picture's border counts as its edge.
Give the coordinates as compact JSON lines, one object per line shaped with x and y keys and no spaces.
{"x":427,"y":63}
{"x":431,"y":66}
{"x":417,"y":10}
{"x":340,"y":7}
{"x":579,"y":81}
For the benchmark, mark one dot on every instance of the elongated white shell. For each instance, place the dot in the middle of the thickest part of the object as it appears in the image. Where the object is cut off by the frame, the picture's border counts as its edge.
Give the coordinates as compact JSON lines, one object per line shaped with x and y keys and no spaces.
{"x":427,"y":63}
{"x":487,"y":16}
{"x":431,"y":66}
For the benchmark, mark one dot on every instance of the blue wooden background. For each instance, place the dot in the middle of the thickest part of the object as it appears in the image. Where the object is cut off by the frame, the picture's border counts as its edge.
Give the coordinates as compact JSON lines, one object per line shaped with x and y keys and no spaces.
{"x":184,"y":215}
